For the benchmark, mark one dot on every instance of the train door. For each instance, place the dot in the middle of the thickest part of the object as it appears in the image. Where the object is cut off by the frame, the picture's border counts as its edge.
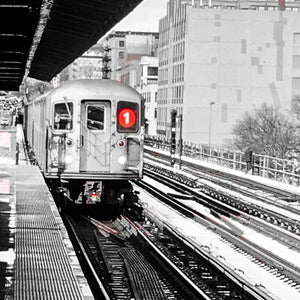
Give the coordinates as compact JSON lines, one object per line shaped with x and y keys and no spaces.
{"x":95,"y":136}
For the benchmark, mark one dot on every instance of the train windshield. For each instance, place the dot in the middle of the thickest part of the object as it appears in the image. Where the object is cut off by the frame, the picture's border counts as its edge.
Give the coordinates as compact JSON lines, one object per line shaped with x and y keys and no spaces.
{"x":95,"y":117}
{"x":63,"y":116}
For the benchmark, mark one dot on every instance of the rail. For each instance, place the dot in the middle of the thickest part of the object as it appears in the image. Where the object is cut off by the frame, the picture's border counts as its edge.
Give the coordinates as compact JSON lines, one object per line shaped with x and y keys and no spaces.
{"x":283,"y":170}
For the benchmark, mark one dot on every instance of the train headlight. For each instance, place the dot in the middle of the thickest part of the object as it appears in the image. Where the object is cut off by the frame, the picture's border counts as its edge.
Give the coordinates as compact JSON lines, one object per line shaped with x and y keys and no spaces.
{"x":69,"y":159}
{"x":122,"y":160}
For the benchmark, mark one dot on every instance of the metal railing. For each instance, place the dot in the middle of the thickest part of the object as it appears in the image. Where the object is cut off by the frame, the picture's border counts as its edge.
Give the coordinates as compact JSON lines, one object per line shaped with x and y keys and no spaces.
{"x":283,"y":170}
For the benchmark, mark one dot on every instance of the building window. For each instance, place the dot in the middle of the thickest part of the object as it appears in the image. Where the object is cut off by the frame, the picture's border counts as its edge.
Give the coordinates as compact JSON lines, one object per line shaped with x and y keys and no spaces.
{"x":296,"y":83}
{"x":296,"y":39}
{"x":121,"y":44}
{"x":121,"y":55}
{"x":126,"y":78}
{"x":152,"y":71}
{"x":296,"y":62}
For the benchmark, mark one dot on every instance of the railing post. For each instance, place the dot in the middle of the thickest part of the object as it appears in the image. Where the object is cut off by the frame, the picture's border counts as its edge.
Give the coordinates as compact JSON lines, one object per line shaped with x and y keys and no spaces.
{"x":234,"y":161}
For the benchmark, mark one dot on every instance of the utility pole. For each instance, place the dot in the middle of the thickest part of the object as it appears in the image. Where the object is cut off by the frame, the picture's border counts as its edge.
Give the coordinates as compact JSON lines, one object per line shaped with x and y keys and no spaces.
{"x":210,"y":121}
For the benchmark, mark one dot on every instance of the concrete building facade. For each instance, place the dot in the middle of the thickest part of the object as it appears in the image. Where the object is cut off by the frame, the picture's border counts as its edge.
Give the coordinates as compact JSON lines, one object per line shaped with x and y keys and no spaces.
{"x":148,"y":89}
{"x":124,"y":46}
{"x":216,"y":64}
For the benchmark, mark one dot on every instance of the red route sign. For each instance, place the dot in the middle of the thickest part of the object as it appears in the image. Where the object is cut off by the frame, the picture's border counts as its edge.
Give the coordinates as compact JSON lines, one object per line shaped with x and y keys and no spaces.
{"x":127,"y":117}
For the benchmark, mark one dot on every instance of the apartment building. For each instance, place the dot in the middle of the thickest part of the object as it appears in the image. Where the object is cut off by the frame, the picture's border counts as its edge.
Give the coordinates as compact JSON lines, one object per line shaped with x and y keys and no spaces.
{"x":148,"y":89}
{"x":219,"y":59}
{"x":124,"y":46}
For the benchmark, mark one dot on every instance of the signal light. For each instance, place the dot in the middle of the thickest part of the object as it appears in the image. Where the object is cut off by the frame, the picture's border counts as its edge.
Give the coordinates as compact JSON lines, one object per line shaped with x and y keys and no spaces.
{"x":93,"y":197}
{"x":121,"y":143}
{"x":69,"y":142}
{"x":173,"y":118}
{"x":173,"y":136}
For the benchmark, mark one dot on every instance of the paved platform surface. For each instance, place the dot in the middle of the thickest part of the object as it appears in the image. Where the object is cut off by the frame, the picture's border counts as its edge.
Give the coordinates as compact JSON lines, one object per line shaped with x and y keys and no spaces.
{"x":43,"y":252}
{"x":37,"y":259}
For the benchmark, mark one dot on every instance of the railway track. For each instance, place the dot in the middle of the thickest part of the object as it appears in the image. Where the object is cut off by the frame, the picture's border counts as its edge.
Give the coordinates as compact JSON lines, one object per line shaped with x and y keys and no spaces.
{"x":244,"y":213}
{"x":216,"y":196}
{"x":151,"y":260}
{"x":124,"y":264}
{"x":231,"y":235}
{"x":136,"y":261}
{"x":86,"y":259}
{"x":228,"y":180}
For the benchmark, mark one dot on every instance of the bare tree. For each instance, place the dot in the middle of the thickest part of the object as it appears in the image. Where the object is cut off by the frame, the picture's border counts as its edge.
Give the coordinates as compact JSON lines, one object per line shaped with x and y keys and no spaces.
{"x":266,"y":131}
{"x":296,"y":106}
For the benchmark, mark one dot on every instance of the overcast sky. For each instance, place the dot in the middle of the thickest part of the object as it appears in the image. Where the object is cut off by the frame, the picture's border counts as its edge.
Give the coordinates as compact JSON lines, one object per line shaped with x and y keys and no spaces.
{"x":144,"y":17}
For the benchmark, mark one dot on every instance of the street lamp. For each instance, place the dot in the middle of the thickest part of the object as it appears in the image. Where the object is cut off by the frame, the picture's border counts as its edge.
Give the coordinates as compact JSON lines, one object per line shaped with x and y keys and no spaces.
{"x":210,"y":114}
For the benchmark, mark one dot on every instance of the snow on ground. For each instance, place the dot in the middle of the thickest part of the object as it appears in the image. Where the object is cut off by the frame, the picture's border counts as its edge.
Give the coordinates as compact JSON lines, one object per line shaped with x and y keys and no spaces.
{"x":268,"y":206}
{"x":200,"y":208}
{"x":207,"y":240}
{"x":269,"y":182}
{"x":250,"y":234}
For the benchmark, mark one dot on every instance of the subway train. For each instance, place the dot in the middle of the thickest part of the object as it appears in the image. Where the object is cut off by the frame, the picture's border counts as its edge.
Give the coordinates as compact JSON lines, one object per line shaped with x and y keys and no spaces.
{"x":87,"y":137}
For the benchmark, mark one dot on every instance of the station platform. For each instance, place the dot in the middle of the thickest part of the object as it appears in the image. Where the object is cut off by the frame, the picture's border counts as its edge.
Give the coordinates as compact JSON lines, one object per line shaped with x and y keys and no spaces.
{"x":37,"y":259}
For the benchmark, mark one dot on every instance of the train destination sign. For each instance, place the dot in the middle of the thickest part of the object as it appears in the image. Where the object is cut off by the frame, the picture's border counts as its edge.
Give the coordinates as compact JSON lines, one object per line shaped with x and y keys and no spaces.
{"x":127,"y":117}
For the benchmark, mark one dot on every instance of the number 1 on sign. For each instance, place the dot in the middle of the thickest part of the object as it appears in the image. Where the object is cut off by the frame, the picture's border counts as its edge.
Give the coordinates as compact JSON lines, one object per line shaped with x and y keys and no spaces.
{"x":126,"y":116}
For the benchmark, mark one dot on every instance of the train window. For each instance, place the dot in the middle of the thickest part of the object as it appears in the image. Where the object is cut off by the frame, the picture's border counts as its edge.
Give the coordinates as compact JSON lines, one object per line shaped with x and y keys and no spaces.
{"x":127,"y":115}
{"x":63,"y":116}
{"x":95,"y":117}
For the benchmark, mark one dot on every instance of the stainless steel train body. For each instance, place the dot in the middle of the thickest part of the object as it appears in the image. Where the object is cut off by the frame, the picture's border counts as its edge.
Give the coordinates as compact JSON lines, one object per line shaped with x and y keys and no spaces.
{"x":89,"y":131}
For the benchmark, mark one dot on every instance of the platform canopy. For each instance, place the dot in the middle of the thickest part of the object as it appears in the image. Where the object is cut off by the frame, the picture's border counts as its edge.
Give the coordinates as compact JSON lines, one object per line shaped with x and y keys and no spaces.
{"x":39,"y":38}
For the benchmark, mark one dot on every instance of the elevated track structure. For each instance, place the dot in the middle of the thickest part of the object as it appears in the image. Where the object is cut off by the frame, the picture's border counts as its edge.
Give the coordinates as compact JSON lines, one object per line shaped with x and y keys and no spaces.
{"x":39,"y":38}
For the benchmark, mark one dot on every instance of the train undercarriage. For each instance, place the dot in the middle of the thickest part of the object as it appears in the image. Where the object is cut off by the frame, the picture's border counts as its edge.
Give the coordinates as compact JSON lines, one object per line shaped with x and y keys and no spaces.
{"x":107,"y":196}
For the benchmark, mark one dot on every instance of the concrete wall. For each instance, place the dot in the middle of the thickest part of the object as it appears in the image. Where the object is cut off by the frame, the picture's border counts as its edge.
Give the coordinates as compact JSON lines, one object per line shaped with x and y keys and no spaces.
{"x":238,"y":59}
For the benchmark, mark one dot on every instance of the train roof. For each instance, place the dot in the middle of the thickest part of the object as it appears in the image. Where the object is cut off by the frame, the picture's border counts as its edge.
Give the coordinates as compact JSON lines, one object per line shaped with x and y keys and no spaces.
{"x":92,"y":88}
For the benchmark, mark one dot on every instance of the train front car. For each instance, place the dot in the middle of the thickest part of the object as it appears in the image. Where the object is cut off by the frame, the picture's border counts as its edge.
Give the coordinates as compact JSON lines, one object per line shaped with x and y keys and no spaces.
{"x":93,"y":140}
